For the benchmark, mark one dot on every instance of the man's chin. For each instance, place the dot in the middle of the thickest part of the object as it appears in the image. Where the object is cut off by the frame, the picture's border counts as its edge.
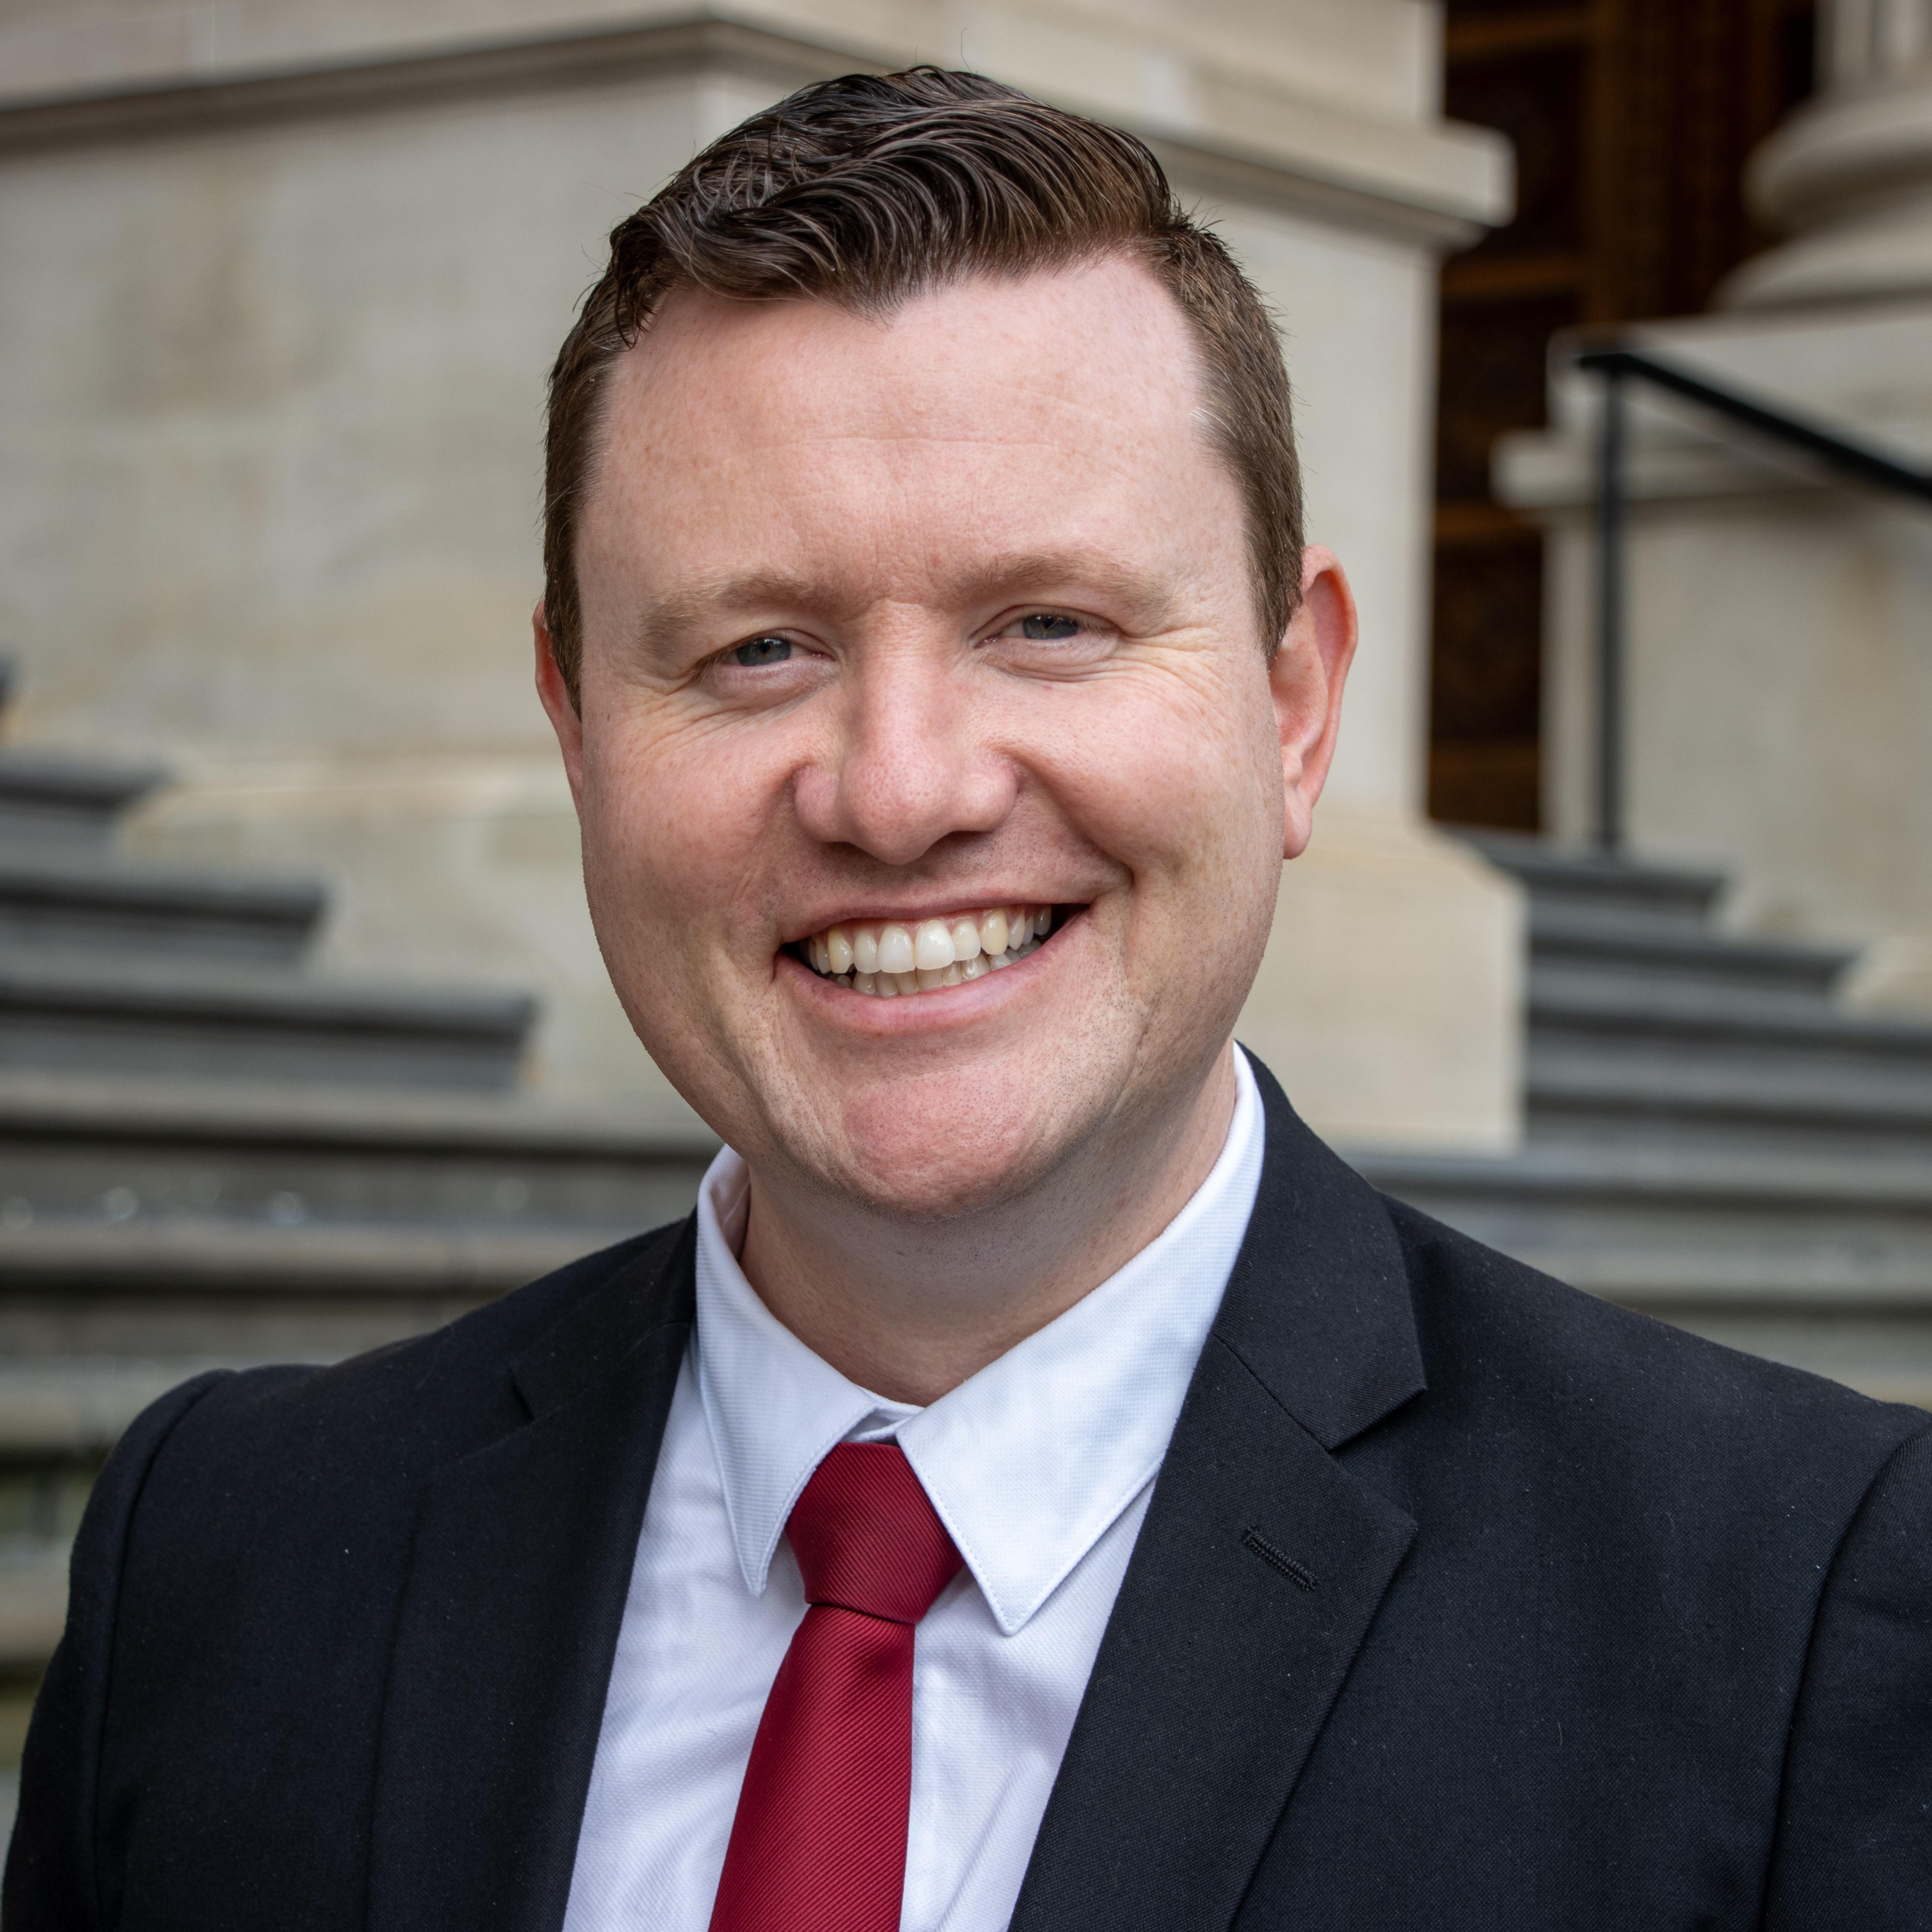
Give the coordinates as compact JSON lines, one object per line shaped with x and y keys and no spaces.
{"x":946,"y":1171}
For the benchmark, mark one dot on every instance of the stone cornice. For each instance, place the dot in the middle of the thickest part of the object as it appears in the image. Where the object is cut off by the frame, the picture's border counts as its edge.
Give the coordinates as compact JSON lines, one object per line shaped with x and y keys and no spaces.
{"x":1438,"y":186}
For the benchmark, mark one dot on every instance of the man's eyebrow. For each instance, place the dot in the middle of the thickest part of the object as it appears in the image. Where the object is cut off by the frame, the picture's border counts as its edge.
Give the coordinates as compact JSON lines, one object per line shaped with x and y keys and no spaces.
{"x":670,"y":618}
{"x":1044,"y":573}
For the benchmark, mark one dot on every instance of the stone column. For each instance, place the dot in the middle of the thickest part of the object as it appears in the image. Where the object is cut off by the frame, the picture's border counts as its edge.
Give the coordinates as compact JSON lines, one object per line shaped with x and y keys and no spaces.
{"x":1848,"y":177}
{"x":1779,"y":707}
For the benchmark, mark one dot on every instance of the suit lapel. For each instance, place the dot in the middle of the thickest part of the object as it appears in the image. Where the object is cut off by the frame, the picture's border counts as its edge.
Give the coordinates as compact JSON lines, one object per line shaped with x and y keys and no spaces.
{"x":1260,"y":1566}
{"x":510,"y":1619}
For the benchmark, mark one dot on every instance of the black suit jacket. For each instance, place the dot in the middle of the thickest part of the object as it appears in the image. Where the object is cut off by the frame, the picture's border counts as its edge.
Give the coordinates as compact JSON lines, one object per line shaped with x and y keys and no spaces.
{"x":1464,"y":1600}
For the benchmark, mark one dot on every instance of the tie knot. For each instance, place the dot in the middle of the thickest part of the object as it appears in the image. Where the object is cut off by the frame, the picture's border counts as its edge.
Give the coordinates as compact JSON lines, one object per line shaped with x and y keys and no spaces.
{"x":866,"y":1538}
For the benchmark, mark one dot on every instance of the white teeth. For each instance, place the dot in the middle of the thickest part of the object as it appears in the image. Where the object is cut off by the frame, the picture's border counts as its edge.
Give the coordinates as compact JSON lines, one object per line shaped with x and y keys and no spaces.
{"x":932,"y":946}
{"x":885,"y":960}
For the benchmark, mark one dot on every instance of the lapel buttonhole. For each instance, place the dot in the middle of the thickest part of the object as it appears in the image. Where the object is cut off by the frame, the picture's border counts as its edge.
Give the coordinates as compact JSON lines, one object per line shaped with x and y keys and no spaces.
{"x":1279,"y":1560}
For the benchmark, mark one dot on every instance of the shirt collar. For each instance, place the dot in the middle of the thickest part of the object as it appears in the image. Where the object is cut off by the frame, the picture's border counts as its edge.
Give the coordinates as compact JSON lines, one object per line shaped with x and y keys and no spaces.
{"x":1029,"y":1462}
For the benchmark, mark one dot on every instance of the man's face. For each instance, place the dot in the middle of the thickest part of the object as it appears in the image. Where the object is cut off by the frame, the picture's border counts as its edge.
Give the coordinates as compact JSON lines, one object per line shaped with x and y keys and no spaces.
{"x":931,"y":619}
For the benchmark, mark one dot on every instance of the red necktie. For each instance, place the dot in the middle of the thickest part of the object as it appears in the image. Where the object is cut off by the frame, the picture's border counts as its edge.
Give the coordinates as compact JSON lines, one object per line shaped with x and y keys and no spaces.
{"x":819,"y":1843}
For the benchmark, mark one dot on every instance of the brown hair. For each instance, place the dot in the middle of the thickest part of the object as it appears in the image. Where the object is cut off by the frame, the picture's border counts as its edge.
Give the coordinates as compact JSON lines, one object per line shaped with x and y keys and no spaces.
{"x":870,"y":190}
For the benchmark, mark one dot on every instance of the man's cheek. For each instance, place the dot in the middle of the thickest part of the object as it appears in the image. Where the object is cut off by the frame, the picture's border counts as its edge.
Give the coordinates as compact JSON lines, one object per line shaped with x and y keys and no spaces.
{"x":1159,"y":801}
{"x":629,"y":893}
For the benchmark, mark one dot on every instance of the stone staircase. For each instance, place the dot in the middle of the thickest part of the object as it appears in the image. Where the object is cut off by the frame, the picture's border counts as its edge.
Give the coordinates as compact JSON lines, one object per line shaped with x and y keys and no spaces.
{"x":110,"y":967}
{"x":1708,"y":1137}
{"x":211,"y":1154}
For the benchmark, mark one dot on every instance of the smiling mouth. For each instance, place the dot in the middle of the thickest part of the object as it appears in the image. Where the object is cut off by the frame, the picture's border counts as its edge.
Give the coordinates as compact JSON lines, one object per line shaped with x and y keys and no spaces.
{"x":885,"y":959}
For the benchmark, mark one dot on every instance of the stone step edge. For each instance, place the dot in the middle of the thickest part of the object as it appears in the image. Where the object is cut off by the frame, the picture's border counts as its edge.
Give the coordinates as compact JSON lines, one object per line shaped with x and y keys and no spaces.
{"x":65,"y":1407}
{"x":1576,"y":873}
{"x":84,"y":990}
{"x":1678,"y":1284}
{"x":1664,"y":1014}
{"x":1557,"y":934}
{"x":33,"y":1610}
{"x":253,"y":1259}
{"x":100,"y":787}
{"x":1753,"y":1181}
{"x":104,"y":883}
{"x":108,"y":1110}
{"x":1681,"y":1093}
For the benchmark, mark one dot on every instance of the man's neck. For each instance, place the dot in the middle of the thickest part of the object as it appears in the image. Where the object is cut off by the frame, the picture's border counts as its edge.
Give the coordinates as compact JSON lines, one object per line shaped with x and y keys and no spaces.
{"x":910,"y":1310}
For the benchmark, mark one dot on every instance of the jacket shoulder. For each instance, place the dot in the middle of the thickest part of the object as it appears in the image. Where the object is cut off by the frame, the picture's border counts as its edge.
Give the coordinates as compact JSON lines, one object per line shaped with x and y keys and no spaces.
{"x":395,"y":1413}
{"x":1499,"y":1336}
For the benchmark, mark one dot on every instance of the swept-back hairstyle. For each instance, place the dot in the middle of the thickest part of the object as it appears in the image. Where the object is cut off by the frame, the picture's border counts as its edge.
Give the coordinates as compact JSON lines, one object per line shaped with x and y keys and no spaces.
{"x":871,"y":190}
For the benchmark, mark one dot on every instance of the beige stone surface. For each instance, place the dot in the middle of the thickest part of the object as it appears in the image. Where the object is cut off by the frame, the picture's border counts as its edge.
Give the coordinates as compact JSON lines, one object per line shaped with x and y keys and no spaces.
{"x":1389,"y":1003}
{"x":1780,"y":711}
{"x":1382,"y":56}
{"x":1893,"y":975}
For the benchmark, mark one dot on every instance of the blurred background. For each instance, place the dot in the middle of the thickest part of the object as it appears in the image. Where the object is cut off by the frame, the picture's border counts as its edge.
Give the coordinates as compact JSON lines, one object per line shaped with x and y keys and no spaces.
{"x":1614,"y":946}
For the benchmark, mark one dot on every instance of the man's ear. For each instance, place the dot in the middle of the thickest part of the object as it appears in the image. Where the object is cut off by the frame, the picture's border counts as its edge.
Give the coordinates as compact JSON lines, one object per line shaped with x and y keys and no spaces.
{"x":558,"y":704}
{"x":1307,"y":678}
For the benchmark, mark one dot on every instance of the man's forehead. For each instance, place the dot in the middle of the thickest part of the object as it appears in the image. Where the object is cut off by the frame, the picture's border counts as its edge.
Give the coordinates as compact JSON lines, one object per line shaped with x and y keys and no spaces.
{"x":1097,"y":349}
{"x":1040,"y":433}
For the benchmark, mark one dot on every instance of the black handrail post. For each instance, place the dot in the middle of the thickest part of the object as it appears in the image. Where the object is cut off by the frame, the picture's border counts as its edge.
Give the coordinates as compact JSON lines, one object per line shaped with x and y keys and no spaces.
{"x":1611,"y":517}
{"x":1846,"y":455}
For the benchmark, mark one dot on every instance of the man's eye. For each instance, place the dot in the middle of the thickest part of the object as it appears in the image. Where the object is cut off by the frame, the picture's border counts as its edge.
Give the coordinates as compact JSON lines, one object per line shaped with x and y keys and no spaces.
{"x":1044,"y":624}
{"x":762,"y":651}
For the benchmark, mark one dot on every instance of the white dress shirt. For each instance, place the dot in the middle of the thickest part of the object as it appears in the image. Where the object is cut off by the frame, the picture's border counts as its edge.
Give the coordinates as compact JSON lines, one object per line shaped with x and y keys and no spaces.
{"x":1040,"y":1466}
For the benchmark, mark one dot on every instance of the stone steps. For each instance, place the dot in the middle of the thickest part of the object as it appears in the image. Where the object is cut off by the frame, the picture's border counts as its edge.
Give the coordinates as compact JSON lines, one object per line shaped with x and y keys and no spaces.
{"x":1584,"y":947}
{"x":127,"y":1013}
{"x":111,"y":967}
{"x":80,"y":903}
{"x":1558,"y":877}
{"x":1708,"y":1136}
{"x":53,"y":798}
{"x":1693,"y":1064}
{"x":211,"y":1156}
{"x":1675,"y":1225}
{"x":149,"y":1231}
{"x":194,"y":1221}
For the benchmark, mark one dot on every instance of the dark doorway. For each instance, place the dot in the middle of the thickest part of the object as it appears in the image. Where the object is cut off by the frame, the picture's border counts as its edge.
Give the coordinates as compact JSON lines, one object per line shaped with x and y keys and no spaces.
{"x":1632,"y":120}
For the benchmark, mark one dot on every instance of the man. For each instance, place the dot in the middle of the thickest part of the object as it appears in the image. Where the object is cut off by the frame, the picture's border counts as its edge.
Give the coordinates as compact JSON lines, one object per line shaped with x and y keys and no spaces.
{"x":1041,"y":1485}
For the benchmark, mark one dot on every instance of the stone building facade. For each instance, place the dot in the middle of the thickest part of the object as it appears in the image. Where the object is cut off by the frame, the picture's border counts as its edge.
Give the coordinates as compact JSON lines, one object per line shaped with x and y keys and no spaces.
{"x":1781,"y":700}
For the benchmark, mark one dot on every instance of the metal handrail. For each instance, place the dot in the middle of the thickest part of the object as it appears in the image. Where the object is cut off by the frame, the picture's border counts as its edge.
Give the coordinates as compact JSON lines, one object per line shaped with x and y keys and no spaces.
{"x":1617,"y":367}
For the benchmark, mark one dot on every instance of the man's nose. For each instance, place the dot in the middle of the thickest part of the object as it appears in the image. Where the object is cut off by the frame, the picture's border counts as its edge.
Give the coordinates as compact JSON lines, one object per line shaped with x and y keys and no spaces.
{"x":909,"y":764}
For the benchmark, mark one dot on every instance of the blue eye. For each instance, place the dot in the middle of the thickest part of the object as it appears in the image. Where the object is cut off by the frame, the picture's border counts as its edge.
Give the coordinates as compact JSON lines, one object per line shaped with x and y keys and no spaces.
{"x":1043,"y":625}
{"x":762,"y":651}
